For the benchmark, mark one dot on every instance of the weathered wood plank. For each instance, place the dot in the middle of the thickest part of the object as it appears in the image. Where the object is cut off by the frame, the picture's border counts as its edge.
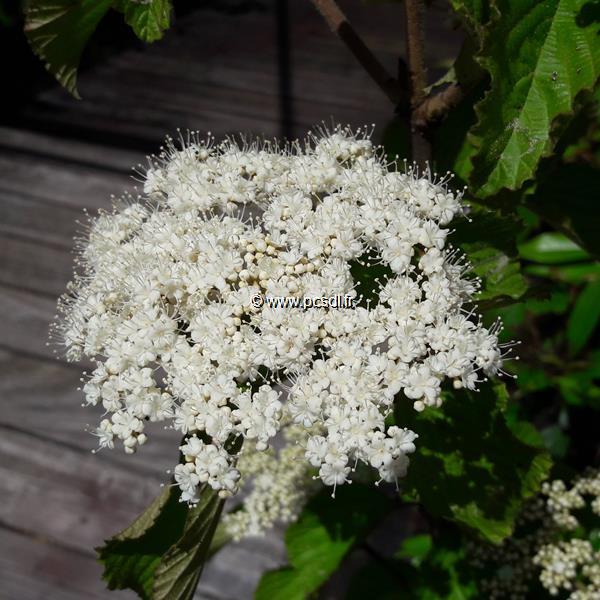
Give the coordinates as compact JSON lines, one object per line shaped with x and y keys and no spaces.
{"x":27,"y":318}
{"x":42,"y":398}
{"x":220,"y":91}
{"x":78,"y":500}
{"x":139,"y":122}
{"x":75,"y":498}
{"x":60,"y":182}
{"x":38,"y":220}
{"x":66,"y":150}
{"x":31,"y":568}
{"x":39,"y":268}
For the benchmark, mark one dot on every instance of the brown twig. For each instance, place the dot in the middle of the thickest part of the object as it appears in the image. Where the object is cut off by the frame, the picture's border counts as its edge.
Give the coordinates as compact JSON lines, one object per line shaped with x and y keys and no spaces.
{"x":437,"y":106}
{"x":340,"y":25}
{"x":413,"y":11}
{"x":408,"y":91}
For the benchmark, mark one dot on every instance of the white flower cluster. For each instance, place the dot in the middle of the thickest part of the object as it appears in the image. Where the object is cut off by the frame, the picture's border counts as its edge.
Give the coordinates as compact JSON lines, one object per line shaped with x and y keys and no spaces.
{"x":279,"y":484}
{"x":562,"y":501}
{"x":538,"y":551}
{"x":162,"y":305}
{"x":571,"y":565}
{"x":566,"y":564}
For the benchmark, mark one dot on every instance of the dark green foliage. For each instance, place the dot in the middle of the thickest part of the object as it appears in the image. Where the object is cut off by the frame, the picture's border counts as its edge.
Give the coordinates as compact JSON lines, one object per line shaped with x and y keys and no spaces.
{"x":421,"y":569}
{"x":370,"y":275}
{"x":488,"y":241}
{"x":316,"y":544}
{"x":162,"y":553}
{"x":471,"y":466}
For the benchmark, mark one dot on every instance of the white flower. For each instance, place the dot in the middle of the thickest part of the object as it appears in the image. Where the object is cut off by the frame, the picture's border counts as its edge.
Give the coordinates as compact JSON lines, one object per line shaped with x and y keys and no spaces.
{"x":162,"y":303}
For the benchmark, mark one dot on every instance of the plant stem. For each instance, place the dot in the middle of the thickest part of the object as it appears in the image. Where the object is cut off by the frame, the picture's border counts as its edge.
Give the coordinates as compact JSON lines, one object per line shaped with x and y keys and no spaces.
{"x":408,"y":91}
{"x":413,"y":11}
{"x":437,"y":106}
{"x":340,"y":25}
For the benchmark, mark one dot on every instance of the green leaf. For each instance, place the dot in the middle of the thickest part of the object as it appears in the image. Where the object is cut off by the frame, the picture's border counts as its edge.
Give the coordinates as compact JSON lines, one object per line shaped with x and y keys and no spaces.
{"x":149,"y":20}
{"x":470,"y":465}
{"x":475,"y":14}
{"x":539,"y":57}
{"x":584,"y":317}
{"x":416,"y":548}
{"x":177,"y":574}
{"x":316,"y":544}
{"x":568,"y":200}
{"x":580,"y":388}
{"x":131,"y":557}
{"x":58,"y":31}
{"x":556,"y":441}
{"x":442,"y":572}
{"x":161,"y":554}
{"x":488,"y":241}
{"x":552,"y":248}
{"x":579,"y":273}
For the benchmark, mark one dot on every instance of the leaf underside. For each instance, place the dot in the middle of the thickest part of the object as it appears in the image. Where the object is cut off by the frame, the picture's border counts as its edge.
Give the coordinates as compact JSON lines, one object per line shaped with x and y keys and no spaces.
{"x":162,"y":553}
{"x":58,"y":31}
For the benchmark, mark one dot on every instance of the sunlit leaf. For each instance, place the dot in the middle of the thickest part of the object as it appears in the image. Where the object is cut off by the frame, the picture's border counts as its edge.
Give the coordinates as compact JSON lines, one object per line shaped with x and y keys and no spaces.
{"x":540,"y":56}
{"x":149,"y":19}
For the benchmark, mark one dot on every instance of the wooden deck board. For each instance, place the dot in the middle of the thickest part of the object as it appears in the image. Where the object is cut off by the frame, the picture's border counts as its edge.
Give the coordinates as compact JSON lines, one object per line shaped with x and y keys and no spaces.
{"x":27,"y":321}
{"x":34,"y":569}
{"x":43,"y":397}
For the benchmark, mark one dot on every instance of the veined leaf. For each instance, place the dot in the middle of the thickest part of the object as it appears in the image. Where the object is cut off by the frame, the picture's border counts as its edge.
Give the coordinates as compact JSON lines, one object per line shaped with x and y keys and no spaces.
{"x":149,"y":19}
{"x":161,"y":554}
{"x":58,"y":31}
{"x":540,"y":56}
{"x":316,"y":544}
{"x":131,"y":557}
{"x":180,"y":568}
